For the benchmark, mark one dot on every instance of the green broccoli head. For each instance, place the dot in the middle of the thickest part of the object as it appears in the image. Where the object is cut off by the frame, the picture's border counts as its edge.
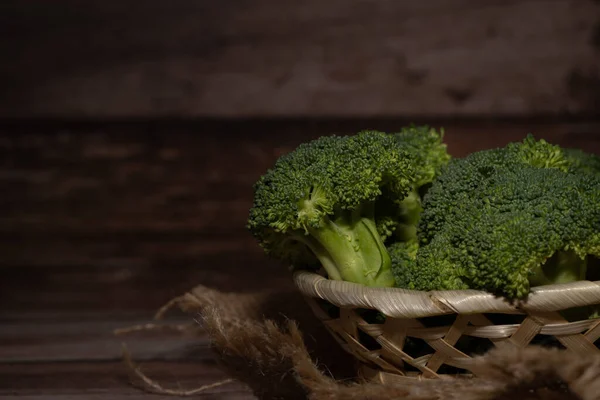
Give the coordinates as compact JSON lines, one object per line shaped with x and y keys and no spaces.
{"x":537,"y":153}
{"x":582,"y":162}
{"x":429,"y":152}
{"x":469,"y":176}
{"x":318,"y":204}
{"x":503,"y":220}
{"x":429,"y":156}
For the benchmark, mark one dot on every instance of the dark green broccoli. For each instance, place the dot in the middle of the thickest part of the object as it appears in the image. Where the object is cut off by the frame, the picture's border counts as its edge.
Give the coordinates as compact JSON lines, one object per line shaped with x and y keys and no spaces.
{"x":333,"y":201}
{"x":429,"y":152}
{"x":317,"y":205}
{"x":429,"y":156}
{"x":581,"y":161}
{"x":503,"y":220}
{"x":403,"y":255}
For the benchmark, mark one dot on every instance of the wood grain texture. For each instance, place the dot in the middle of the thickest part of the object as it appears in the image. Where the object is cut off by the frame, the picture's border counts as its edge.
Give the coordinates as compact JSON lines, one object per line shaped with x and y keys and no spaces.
{"x":102,"y":223}
{"x":271,"y":57}
{"x":142,"y":288}
{"x":68,"y":336}
{"x":192,"y":178}
{"x":65,"y":354}
{"x":128,"y":199}
{"x":78,"y":381}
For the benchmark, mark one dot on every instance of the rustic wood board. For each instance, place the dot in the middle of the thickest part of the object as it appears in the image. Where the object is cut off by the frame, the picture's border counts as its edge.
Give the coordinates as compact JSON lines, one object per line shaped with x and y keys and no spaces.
{"x":102,"y":223}
{"x":102,"y":380}
{"x":75,"y":355}
{"x":272,"y":58}
{"x":190,"y":179}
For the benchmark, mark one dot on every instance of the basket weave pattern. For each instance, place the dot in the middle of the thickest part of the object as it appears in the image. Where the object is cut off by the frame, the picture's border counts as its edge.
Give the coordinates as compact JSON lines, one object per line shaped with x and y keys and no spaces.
{"x":405,"y":310}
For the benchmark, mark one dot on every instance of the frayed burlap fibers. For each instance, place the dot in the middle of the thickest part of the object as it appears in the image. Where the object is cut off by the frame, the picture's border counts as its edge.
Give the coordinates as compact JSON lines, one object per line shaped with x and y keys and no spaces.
{"x":272,"y":342}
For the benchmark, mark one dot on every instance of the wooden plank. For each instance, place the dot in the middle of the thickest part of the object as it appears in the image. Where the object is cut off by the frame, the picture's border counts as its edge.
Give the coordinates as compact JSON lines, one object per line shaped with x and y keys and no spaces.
{"x":84,"y":380}
{"x":108,"y":182}
{"x":54,"y":339}
{"x":133,"y":250}
{"x":137,"y":395}
{"x":270,"y":57}
{"x":131,"y":287}
{"x":85,"y":250}
{"x":195,"y":178}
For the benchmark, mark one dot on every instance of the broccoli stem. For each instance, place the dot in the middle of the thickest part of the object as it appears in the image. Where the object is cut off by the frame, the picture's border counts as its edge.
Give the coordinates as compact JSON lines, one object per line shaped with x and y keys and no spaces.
{"x":350,"y":249}
{"x":410,"y":215}
{"x":563,"y":267}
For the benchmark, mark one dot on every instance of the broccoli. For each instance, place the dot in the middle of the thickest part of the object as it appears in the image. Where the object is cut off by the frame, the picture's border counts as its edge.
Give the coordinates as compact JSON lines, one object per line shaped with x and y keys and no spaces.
{"x":503,"y":220}
{"x":580,"y":161}
{"x":429,"y":156}
{"x":317,"y":205}
{"x":333,"y":201}
{"x":403,"y":255}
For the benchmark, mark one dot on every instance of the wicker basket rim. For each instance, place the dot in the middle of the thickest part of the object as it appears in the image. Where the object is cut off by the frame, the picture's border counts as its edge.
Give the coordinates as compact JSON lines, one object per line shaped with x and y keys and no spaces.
{"x":404,"y":303}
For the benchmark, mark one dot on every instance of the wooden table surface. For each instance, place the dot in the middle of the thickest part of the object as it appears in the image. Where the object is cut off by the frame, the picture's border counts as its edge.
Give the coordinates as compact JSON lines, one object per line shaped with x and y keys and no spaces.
{"x":102,"y":223}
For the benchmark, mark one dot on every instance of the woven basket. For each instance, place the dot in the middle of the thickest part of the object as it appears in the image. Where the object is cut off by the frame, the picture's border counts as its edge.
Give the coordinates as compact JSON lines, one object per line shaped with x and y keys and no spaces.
{"x":436,"y":324}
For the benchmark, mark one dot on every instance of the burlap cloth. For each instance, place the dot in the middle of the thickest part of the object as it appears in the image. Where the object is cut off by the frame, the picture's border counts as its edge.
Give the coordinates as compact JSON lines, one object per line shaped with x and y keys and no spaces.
{"x":271,"y":342}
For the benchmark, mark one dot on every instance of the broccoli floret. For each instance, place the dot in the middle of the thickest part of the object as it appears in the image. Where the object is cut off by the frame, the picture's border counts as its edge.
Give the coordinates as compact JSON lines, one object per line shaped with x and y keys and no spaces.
{"x":429,"y":152}
{"x":317,"y":205}
{"x":581,"y":161}
{"x":403,"y":255}
{"x":467,"y":177}
{"x":504,"y":220}
{"x":429,"y":156}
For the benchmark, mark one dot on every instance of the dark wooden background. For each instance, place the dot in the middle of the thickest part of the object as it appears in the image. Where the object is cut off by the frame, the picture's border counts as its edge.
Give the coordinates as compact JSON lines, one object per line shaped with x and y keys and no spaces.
{"x":250,"y":58}
{"x":131,"y":134}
